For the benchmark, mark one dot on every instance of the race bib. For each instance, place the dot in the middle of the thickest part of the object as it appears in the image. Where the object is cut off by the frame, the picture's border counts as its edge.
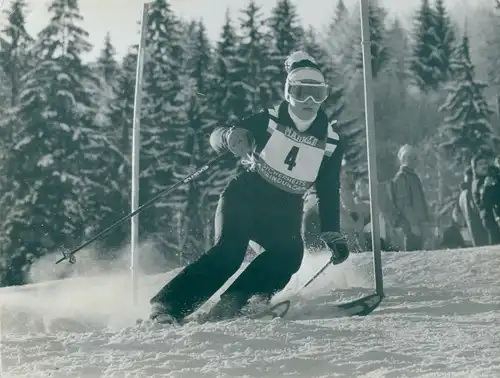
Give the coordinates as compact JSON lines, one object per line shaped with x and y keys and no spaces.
{"x":290,"y":160}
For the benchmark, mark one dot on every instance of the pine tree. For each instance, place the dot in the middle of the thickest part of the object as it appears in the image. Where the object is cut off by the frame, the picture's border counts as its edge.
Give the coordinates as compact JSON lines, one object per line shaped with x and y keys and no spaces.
{"x":194,"y":198}
{"x":253,"y":65}
{"x":106,"y":69}
{"x":48,"y":164}
{"x":194,"y":201}
{"x":491,"y":46}
{"x":341,"y":17}
{"x":398,"y":46}
{"x":339,"y":36}
{"x":223,"y":94}
{"x":14,"y":64}
{"x":14,"y":59}
{"x":120,"y":109}
{"x":392,"y":93}
{"x":445,"y":35}
{"x":117,"y":128}
{"x":341,"y":11}
{"x":107,"y":66}
{"x":378,"y":45}
{"x":342,"y":40}
{"x":393,"y":103}
{"x":466,"y":128}
{"x":199,"y":57}
{"x":426,"y":65}
{"x":286,"y":34}
{"x":162,"y":116}
{"x":14,"y":55}
{"x":391,"y":87}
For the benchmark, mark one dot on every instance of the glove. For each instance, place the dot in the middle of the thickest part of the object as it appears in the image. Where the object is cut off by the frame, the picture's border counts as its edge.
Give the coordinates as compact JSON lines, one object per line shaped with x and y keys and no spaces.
{"x":240,"y":142}
{"x":337,"y":245}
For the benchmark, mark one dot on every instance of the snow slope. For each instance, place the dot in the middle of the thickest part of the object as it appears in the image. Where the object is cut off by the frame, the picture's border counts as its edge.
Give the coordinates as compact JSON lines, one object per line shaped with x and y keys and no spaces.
{"x":441,"y":318}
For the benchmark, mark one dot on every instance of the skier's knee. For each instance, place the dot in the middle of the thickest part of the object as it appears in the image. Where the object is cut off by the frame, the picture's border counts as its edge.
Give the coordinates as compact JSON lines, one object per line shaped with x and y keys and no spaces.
{"x":291,"y":256}
{"x":230,"y":254}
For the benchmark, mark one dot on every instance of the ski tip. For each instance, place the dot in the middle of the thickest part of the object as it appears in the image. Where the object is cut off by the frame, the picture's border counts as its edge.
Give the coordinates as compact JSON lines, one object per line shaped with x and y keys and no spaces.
{"x":279,"y":310}
{"x":361,"y":307}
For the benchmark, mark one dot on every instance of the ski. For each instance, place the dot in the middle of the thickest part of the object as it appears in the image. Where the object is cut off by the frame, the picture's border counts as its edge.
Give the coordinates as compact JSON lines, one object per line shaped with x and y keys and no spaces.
{"x":279,"y":310}
{"x":359,"y":307}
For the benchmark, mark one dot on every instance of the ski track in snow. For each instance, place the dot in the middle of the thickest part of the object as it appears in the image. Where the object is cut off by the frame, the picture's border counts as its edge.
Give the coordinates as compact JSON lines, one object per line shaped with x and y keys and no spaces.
{"x":441,"y":318}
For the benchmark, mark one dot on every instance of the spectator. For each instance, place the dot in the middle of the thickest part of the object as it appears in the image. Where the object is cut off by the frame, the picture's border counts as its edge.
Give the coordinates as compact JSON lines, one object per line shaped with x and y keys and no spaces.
{"x":363,"y":202}
{"x":390,"y":213}
{"x":409,"y":199}
{"x":495,"y":194}
{"x":467,"y":210}
{"x":485,"y":193}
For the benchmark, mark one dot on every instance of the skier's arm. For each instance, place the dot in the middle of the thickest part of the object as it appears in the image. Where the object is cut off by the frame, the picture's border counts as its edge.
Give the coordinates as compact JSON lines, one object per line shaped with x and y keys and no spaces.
{"x":328,"y":190}
{"x":254,"y":124}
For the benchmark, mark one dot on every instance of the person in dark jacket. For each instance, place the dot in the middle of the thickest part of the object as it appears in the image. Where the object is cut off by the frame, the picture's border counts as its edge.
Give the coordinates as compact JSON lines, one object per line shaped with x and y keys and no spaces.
{"x":466,"y":209}
{"x":286,"y":150}
{"x":485,"y":192}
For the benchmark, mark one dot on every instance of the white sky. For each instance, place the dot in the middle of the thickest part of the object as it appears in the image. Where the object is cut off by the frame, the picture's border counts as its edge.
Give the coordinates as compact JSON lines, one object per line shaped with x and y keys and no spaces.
{"x":121,"y":17}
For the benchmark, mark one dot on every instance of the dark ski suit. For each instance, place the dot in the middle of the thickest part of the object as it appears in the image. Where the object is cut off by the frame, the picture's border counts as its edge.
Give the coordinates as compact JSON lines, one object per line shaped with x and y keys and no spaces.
{"x":264,"y":204}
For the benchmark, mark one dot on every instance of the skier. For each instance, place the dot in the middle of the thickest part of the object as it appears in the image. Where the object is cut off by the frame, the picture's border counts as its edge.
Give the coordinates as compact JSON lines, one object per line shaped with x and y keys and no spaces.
{"x":286,"y":150}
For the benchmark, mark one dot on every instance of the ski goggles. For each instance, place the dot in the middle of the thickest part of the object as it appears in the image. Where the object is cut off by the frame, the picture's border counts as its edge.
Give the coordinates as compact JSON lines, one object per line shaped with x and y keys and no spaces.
{"x":301,"y":92}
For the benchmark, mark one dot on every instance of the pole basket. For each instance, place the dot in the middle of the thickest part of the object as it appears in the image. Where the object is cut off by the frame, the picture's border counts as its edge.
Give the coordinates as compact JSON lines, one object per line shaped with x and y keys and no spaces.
{"x":68,"y":256}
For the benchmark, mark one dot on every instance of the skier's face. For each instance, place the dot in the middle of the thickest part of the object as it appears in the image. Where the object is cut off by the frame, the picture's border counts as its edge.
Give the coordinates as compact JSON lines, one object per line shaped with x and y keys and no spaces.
{"x":306,"y":97}
{"x":305,"y":110}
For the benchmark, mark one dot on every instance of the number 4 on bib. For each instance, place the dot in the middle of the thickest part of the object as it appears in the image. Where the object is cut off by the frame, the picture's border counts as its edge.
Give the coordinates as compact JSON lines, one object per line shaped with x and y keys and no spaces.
{"x":291,"y":157}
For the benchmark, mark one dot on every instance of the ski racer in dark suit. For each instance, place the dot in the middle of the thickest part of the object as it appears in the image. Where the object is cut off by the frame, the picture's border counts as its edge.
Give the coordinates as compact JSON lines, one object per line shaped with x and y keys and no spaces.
{"x":286,"y":150}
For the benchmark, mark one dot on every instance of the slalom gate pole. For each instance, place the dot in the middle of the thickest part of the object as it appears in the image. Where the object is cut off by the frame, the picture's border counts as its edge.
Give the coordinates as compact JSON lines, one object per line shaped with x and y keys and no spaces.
{"x":371,"y":145}
{"x":70,"y":256}
{"x":136,"y":147}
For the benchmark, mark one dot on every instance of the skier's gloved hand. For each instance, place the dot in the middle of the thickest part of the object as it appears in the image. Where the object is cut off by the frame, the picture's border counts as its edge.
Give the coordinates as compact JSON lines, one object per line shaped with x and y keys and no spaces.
{"x":240,"y":142}
{"x":337,"y":244}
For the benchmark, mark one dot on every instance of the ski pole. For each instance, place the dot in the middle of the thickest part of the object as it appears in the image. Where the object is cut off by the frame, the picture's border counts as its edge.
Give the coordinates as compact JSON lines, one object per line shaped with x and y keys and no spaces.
{"x":317,"y":275}
{"x":70,"y":256}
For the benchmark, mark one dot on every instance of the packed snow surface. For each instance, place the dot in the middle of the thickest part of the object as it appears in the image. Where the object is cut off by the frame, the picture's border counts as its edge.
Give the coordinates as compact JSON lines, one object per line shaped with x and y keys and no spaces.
{"x":441,"y":318}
